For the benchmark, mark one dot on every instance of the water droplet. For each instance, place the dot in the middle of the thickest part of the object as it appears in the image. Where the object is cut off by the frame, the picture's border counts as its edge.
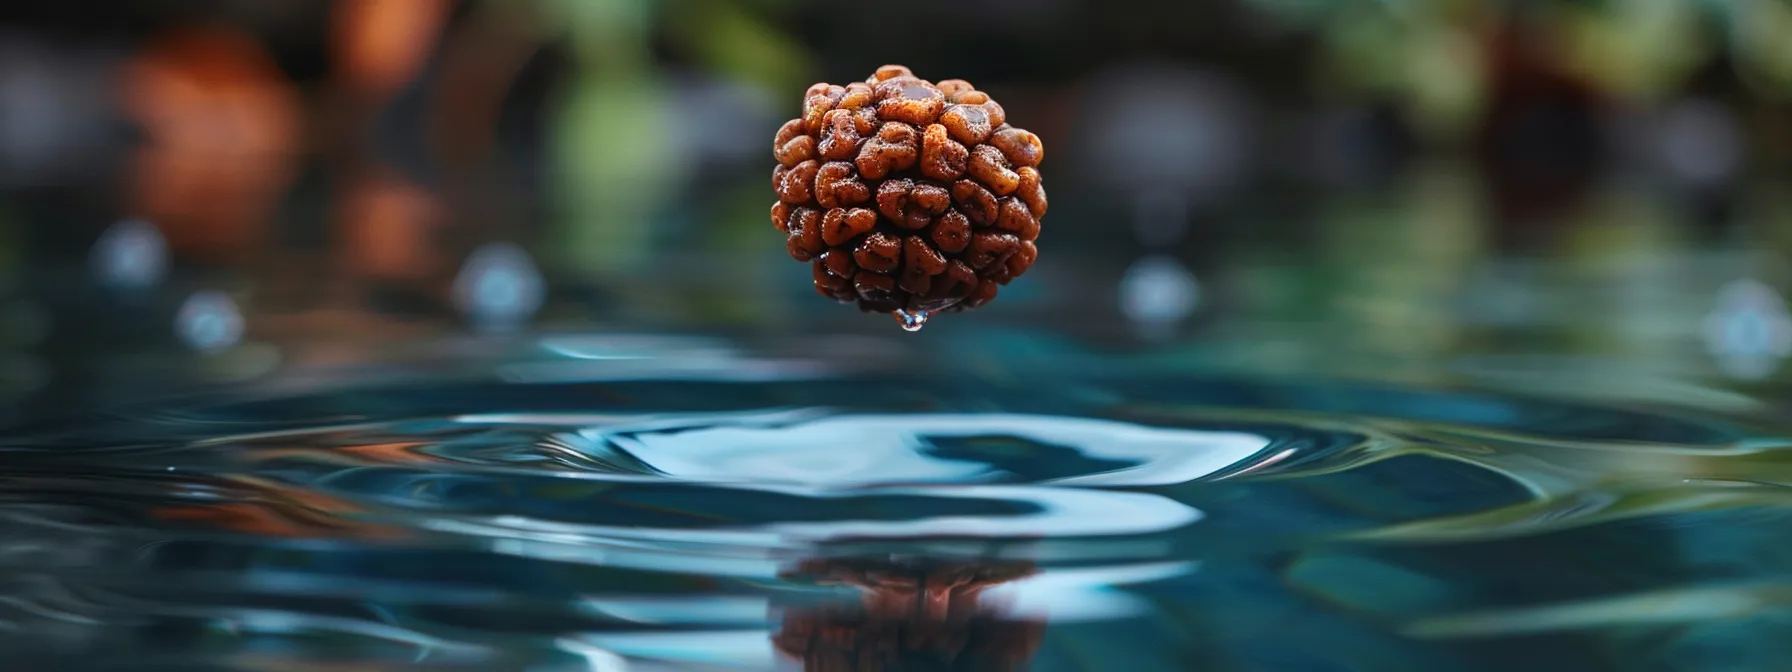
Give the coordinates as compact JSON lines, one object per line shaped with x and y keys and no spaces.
{"x":912,"y":321}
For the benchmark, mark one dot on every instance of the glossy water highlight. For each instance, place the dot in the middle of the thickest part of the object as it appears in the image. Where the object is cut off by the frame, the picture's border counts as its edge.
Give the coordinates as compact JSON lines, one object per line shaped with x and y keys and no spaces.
{"x":912,"y":519}
{"x":912,"y":321}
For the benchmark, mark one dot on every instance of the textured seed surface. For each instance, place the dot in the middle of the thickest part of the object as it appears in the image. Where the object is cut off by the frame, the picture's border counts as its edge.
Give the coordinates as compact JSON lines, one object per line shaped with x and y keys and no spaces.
{"x":951,"y":232}
{"x":921,"y":257}
{"x":906,"y":194}
{"x":879,"y":253}
{"x":839,"y":263}
{"x":805,"y":241}
{"x":942,"y":158}
{"x":908,"y":100}
{"x":837,"y":185}
{"x":977,"y":202}
{"x":915,"y":282}
{"x":781,"y":216}
{"x":989,"y":167}
{"x":842,"y":226}
{"x":798,"y":181}
{"x":1015,"y":218}
{"x":970,"y":98}
{"x":1022,"y":148}
{"x":839,"y":136}
{"x":1031,"y":192}
{"x":989,"y":248}
{"x":968,"y":124}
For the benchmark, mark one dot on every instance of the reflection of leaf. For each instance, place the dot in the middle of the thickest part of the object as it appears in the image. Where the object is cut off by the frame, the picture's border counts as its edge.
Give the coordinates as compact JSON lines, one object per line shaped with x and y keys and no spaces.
{"x":1690,"y":605}
{"x":1579,"y":511}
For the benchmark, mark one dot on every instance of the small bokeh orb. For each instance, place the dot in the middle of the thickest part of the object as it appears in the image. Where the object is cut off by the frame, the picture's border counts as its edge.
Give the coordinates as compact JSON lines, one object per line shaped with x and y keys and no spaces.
{"x":209,"y":321}
{"x":1157,"y":294}
{"x":130,"y":254}
{"x":499,"y":287}
{"x":1748,"y":332}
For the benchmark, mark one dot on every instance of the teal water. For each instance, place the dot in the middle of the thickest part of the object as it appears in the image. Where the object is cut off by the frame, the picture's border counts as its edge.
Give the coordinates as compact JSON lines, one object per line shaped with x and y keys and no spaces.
{"x":592,"y":503}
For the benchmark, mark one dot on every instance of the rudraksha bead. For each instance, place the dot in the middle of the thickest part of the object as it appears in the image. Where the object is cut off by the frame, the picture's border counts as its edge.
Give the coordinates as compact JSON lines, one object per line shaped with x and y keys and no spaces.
{"x":908,"y":196}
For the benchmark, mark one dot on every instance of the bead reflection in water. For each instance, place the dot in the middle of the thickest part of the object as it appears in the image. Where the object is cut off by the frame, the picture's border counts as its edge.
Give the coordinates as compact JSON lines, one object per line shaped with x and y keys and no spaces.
{"x":1748,"y":331}
{"x":499,"y":287}
{"x":209,"y":321}
{"x":1047,"y":468}
{"x":130,"y":255}
{"x":926,"y":615}
{"x":1157,"y":294}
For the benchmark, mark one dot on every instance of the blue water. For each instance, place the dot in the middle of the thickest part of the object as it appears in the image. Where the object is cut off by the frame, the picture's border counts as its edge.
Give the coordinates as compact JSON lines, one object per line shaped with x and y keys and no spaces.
{"x":611,"y":504}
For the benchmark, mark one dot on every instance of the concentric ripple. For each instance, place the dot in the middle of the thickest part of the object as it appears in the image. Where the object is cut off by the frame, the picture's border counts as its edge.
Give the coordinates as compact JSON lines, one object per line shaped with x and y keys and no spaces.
{"x":733,"y":524}
{"x":847,"y":451}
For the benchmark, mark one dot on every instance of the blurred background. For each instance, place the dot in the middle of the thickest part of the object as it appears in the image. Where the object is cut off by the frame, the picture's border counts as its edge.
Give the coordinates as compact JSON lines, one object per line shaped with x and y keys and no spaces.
{"x":203,"y":191}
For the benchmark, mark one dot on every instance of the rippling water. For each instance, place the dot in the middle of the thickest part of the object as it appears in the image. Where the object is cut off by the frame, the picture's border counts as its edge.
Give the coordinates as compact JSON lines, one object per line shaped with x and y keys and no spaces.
{"x":597,"y":507}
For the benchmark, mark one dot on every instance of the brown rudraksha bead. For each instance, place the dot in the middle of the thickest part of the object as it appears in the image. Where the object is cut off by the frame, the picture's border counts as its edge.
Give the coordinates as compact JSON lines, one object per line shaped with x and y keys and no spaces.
{"x":907,"y":196}
{"x":908,"y":616}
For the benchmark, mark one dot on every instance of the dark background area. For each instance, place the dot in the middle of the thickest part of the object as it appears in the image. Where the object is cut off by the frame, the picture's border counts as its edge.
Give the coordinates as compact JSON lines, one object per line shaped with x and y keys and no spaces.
{"x":228,"y":190}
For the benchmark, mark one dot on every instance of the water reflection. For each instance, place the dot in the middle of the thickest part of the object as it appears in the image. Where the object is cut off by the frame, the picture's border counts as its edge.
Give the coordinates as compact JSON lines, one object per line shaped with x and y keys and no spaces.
{"x":909,"y":616}
{"x":855,"y":519}
{"x":802,"y":449}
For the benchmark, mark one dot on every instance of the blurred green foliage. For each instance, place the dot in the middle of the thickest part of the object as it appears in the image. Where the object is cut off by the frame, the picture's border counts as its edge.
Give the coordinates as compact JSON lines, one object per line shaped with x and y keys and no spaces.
{"x":612,"y":170}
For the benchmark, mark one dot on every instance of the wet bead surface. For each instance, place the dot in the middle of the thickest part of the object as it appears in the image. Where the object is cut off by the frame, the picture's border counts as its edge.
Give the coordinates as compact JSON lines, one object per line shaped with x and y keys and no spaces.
{"x":907,"y":196}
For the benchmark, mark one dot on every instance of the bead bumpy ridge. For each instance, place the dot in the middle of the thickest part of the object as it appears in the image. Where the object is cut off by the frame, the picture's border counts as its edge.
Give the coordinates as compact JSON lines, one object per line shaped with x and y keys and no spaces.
{"x":908,"y":196}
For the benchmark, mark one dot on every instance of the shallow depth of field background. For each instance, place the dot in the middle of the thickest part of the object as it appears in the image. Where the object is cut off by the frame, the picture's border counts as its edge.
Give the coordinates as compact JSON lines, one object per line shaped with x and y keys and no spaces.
{"x":213,"y":191}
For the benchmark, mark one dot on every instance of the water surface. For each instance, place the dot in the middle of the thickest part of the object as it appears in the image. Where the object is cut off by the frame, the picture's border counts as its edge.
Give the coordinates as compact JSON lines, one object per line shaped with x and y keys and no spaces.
{"x":608,"y":503}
